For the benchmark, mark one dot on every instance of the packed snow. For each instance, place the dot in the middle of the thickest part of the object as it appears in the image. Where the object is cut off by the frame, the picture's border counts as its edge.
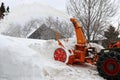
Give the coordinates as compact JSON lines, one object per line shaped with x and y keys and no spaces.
{"x":28,"y":59}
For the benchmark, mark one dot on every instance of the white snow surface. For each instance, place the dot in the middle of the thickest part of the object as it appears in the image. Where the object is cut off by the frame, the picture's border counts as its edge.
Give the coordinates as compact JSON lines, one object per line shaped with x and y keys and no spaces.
{"x":28,"y":59}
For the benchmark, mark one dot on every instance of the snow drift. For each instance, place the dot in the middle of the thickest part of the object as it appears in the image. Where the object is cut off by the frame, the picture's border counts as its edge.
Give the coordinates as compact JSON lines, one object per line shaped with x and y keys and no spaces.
{"x":27,"y":59}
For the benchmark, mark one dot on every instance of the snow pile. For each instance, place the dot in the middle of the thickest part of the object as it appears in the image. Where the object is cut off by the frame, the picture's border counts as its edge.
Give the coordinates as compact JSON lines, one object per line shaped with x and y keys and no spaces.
{"x":27,"y":59}
{"x":98,"y":48}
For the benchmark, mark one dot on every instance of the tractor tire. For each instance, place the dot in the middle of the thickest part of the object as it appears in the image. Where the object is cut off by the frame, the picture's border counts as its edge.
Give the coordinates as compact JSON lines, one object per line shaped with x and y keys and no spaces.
{"x":60,"y":55}
{"x":108,"y":65}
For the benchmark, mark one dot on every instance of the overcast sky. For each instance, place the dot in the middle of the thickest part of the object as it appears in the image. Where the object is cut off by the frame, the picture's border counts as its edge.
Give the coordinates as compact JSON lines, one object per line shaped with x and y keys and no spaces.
{"x":59,"y":4}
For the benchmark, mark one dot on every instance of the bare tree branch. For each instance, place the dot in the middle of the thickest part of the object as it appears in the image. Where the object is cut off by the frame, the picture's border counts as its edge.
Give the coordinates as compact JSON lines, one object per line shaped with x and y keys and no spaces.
{"x":94,"y":15}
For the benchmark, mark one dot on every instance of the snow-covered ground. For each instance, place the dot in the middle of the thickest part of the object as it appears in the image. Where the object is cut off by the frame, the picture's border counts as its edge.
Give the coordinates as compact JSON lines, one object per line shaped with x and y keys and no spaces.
{"x":27,"y":59}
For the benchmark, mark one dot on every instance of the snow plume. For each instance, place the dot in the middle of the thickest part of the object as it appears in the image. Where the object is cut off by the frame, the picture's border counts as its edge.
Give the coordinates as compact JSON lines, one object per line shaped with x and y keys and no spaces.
{"x":23,"y":13}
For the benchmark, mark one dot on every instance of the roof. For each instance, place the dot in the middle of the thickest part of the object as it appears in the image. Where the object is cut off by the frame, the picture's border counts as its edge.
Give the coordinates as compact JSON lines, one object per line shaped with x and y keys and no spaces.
{"x":44,"y":32}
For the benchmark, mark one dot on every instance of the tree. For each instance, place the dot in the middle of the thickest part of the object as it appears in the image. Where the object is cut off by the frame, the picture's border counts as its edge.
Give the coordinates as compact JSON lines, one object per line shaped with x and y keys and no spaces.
{"x":111,"y":36}
{"x":13,"y":30}
{"x":18,"y":30}
{"x":30,"y":26}
{"x":92,"y":14}
{"x":8,"y":9}
{"x":63,"y":27}
{"x":2,"y":7}
{"x":2,"y":10}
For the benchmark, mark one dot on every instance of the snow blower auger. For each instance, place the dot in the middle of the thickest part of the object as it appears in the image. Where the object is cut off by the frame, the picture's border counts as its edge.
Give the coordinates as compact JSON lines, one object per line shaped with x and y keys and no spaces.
{"x":107,"y":60}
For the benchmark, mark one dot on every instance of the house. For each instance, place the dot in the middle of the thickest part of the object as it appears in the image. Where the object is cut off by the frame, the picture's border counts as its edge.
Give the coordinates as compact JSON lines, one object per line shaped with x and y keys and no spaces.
{"x":44,"y":32}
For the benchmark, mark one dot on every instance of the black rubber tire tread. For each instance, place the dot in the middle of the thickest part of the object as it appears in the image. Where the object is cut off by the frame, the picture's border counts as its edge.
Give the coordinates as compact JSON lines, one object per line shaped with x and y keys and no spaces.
{"x":104,"y":56}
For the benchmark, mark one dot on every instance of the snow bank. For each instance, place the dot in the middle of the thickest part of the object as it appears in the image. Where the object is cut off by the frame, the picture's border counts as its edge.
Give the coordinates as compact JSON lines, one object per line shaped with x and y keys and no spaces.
{"x":27,"y":59}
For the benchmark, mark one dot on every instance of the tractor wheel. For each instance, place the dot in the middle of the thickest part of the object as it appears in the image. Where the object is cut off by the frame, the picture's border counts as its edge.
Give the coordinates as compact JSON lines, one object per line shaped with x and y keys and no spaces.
{"x":108,"y":65}
{"x":60,"y":55}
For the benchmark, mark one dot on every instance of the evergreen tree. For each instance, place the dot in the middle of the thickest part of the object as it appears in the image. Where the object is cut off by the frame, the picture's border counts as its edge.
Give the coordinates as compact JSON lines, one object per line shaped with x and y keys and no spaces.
{"x":8,"y":9}
{"x":112,"y":36}
{"x":2,"y":10}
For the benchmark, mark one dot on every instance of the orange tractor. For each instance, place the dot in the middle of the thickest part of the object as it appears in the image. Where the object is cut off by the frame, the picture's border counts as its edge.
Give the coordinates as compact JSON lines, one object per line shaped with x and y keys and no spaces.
{"x":107,"y":60}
